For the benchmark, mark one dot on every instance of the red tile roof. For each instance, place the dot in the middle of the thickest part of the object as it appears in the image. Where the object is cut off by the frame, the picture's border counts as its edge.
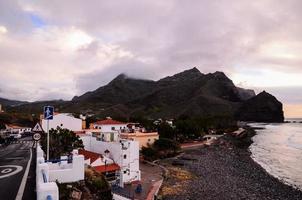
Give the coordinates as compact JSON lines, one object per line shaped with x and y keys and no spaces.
{"x":108,"y":122}
{"x":107,"y":168}
{"x":89,"y":154}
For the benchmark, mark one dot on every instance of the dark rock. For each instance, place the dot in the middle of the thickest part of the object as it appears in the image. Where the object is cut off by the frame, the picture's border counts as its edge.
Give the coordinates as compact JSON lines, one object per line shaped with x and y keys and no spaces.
{"x":245,"y":94}
{"x":262,"y":108}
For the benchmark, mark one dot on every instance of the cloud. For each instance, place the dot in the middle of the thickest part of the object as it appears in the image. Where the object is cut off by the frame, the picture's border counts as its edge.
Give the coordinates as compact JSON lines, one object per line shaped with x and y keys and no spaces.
{"x":3,"y":30}
{"x":69,"y":47}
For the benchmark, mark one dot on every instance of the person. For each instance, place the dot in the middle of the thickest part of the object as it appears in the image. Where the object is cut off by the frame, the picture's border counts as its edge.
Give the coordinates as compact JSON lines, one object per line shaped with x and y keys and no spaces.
{"x":139,"y":188}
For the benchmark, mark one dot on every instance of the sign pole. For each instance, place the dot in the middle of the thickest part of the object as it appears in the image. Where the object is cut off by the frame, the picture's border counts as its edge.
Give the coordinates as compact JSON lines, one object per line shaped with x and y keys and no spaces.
{"x":48,"y":115}
{"x":47,"y":139}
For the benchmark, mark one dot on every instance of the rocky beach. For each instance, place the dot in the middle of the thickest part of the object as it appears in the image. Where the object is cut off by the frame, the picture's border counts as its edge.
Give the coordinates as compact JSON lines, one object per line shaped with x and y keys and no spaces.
{"x":225,"y":171}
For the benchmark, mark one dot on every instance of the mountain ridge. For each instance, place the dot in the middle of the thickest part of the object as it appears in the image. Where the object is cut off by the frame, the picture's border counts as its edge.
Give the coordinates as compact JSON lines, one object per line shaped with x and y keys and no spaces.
{"x":189,"y":93}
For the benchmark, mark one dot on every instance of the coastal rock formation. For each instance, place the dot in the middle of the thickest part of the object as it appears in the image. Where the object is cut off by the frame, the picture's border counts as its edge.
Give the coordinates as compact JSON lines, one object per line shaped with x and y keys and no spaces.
{"x":262,"y":108}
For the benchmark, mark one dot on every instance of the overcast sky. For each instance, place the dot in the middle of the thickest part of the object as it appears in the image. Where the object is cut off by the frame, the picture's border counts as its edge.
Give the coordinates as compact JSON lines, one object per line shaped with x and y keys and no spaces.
{"x":57,"y":49}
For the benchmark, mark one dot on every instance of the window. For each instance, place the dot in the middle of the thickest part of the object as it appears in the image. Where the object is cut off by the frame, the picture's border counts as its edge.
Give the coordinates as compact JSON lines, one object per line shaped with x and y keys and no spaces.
{"x":61,"y":124}
{"x":113,"y":128}
{"x":125,"y":156}
{"x":125,"y":171}
{"x":149,"y":140}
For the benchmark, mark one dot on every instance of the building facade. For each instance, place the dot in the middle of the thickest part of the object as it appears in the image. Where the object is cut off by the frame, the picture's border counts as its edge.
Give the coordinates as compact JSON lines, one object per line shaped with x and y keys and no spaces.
{"x":144,"y":139}
{"x":125,"y":153}
{"x":109,"y":125}
{"x":63,"y":120}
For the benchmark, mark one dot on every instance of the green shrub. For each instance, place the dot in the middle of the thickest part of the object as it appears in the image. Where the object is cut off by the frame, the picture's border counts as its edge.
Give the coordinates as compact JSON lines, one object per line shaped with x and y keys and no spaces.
{"x":149,"y":153}
{"x":61,"y":142}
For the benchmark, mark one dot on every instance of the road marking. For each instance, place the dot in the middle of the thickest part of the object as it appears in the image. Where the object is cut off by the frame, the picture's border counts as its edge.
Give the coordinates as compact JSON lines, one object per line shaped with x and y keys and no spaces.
{"x":23,"y":183}
{"x":8,"y":168}
{"x":5,"y":171}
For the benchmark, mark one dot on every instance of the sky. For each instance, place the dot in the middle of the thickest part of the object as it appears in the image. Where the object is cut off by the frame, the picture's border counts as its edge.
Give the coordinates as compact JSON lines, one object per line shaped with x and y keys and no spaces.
{"x":58,"y":49}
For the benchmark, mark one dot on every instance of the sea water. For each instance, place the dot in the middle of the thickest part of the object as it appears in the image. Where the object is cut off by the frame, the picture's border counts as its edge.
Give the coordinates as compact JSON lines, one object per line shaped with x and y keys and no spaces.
{"x":278,"y":149}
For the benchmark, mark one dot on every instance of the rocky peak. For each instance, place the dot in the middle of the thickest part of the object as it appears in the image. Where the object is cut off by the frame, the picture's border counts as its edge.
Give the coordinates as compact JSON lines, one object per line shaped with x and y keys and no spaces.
{"x":120,"y":78}
{"x":190,"y":74}
{"x":262,"y":108}
{"x":219,"y":76}
{"x":265,"y":94}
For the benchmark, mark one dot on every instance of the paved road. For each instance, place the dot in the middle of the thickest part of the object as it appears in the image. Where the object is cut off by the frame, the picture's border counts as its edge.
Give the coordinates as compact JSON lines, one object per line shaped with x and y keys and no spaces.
{"x":17,"y":174}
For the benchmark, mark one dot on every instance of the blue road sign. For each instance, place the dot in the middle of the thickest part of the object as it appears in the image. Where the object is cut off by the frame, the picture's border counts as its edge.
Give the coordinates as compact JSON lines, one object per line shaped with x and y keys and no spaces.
{"x":48,"y":112}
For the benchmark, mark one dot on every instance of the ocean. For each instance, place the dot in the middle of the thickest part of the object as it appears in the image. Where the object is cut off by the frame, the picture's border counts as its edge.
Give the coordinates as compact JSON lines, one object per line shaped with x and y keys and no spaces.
{"x":278,"y":149}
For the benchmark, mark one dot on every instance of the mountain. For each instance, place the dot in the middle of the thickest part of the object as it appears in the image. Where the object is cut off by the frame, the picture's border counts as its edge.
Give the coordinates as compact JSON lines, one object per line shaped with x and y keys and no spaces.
{"x":122,"y":89}
{"x":190,"y":93}
{"x":8,"y":102}
{"x":246,"y":94}
{"x":262,"y":108}
{"x":37,"y":106}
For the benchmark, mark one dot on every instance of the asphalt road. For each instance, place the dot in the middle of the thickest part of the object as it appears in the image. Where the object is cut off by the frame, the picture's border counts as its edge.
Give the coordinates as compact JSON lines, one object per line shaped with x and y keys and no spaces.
{"x":17,"y":173}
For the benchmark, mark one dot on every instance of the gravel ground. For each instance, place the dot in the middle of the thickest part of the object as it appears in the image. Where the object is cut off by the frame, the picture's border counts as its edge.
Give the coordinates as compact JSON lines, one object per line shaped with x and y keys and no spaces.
{"x":226,"y":172}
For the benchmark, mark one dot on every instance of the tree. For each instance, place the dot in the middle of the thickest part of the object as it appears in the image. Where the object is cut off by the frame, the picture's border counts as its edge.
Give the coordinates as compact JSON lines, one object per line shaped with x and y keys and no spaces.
{"x":149,"y":153}
{"x":166,"y":131}
{"x":161,"y":148}
{"x":188,"y":128}
{"x":165,"y":144}
{"x":61,"y":142}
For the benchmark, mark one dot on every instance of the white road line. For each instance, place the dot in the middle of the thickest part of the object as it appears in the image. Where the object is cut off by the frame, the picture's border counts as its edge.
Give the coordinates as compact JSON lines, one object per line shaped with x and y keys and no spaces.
{"x":24,"y":179}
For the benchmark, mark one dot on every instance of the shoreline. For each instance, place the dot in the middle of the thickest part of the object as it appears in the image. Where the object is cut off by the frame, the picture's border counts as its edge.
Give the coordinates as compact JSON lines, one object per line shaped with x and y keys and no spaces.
{"x":226,"y":170}
{"x":280,"y":180}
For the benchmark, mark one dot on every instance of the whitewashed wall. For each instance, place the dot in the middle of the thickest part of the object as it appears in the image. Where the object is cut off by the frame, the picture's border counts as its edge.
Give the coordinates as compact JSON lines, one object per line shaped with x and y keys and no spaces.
{"x":44,"y":189}
{"x":68,"y":122}
{"x":66,"y":173}
{"x":63,"y":172}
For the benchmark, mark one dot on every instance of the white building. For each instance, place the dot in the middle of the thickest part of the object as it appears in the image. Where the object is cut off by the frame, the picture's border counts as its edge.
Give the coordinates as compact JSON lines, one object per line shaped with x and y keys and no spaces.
{"x":109,"y":125}
{"x":63,"y":120}
{"x":124,"y":153}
